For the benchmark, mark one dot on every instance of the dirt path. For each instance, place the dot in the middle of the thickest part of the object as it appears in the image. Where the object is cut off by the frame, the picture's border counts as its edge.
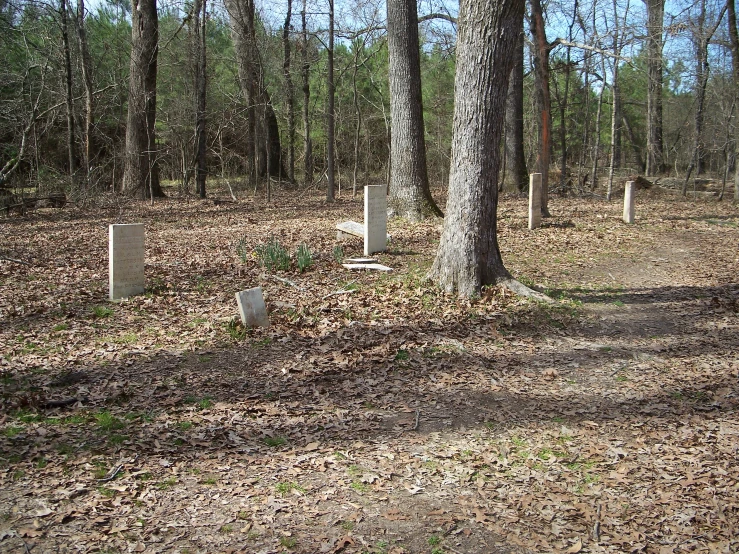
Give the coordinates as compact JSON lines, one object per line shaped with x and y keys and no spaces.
{"x":391,"y":418}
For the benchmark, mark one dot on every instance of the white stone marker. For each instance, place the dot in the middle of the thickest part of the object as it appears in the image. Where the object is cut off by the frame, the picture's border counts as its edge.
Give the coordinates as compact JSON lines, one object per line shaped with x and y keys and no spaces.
{"x":534,"y":200}
{"x":375,"y":219}
{"x":629,"y":202}
{"x":126,"y":253}
{"x":252,"y":308}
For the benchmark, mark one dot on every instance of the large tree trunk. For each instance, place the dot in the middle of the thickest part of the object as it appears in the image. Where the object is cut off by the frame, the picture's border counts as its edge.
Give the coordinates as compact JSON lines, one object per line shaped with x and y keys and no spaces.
{"x":141,"y":176}
{"x":87,"y":131}
{"x":305,"y":75}
{"x":410,"y":196}
{"x":469,"y":257}
{"x":655,"y":149}
{"x":199,"y":41}
{"x":734,"y":38}
{"x":515,"y":161}
{"x":290,"y":95}
{"x":541,"y":50}
{"x":264,"y":142}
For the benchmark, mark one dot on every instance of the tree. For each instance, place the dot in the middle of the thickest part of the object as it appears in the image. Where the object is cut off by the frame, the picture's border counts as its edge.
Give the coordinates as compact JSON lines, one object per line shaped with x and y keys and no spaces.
{"x":410,"y":195}
{"x":305,"y":77}
{"x":141,"y":176}
{"x":655,"y":147}
{"x":264,"y":134}
{"x":330,"y":108}
{"x":469,"y":257}
{"x":541,"y":51}
{"x":199,"y":42}
{"x":290,"y":96}
{"x":734,"y":40}
{"x":515,"y":162}
{"x":86,"y":66}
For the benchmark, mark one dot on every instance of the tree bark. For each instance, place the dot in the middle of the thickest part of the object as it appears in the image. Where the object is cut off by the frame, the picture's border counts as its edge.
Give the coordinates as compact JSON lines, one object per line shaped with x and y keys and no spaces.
{"x":469,"y":257}
{"x":141,"y":175}
{"x":290,"y":95}
{"x":305,"y":74}
{"x":410,"y":196}
{"x":263,"y":127}
{"x":71,"y":150}
{"x":87,"y":131}
{"x":515,"y":161}
{"x":734,"y":40}
{"x":543,"y":100}
{"x":199,"y":42}
{"x":330,"y":110}
{"x":655,"y":147}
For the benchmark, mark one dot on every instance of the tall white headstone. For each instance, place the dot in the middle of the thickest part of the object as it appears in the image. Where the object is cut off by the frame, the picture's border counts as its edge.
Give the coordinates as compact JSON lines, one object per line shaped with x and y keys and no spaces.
{"x":251,"y":307}
{"x":126,"y":252}
{"x":375,"y":219}
{"x":629,"y":202}
{"x":534,"y":200}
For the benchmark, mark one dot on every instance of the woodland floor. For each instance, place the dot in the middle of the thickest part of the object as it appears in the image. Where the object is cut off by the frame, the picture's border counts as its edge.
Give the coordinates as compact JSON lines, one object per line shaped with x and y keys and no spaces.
{"x":389,"y":419}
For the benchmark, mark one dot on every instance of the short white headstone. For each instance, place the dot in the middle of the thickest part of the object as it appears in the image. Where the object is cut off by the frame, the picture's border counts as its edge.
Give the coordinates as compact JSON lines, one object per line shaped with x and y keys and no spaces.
{"x":629,"y":202}
{"x":534,"y":200}
{"x":375,"y":219}
{"x":251,"y":307}
{"x":126,"y":252}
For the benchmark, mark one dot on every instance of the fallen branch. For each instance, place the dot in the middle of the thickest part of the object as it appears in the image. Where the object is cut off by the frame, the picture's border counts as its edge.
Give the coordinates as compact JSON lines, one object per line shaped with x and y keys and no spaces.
{"x":339,"y":292}
{"x":116,"y":470}
{"x":418,"y":417}
{"x":285,"y":281}
{"x":14,"y":260}
{"x":61,"y":403}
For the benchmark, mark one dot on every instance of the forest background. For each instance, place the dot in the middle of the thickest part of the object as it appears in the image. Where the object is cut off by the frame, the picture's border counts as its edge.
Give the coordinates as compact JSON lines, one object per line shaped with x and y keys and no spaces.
{"x":65,"y":93}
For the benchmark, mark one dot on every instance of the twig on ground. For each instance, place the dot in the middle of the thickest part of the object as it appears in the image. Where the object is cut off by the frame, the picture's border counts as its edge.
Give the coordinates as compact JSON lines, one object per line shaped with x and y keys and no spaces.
{"x":117,"y":469}
{"x":14,"y":260}
{"x":286,"y":281}
{"x":596,"y":527}
{"x":63,"y":402}
{"x":418,"y":416}
{"x":338,"y":292}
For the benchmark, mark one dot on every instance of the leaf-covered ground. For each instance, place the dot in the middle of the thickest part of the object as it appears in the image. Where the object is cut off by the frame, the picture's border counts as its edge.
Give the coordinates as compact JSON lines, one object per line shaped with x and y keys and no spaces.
{"x":376,"y":414}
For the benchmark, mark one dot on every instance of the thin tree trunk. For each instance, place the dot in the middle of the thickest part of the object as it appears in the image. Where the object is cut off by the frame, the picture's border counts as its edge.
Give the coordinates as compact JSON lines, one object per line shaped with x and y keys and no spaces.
{"x":330,"y":111}
{"x":72,"y":156}
{"x":290,"y":95}
{"x":515,"y":158}
{"x":87,"y":131}
{"x":358,"y":126}
{"x":199,"y":42}
{"x":636,"y":149}
{"x":598,"y":117}
{"x":305,"y":74}
{"x":543,"y":99}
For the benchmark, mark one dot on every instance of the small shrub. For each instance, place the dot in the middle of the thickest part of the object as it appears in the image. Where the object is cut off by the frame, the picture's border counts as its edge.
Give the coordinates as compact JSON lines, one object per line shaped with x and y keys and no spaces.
{"x":101,"y":312}
{"x":242,"y":250}
{"x":303,"y":257}
{"x":274,"y":442}
{"x":338,"y":253}
{"x":273,"y":256}
{"x":235,"y":329}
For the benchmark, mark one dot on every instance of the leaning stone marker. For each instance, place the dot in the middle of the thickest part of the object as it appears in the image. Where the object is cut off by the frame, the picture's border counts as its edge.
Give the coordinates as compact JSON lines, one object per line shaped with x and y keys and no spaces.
{"x":126,"y":260}
{"x":252,"y":308}
{"x":375,"y":219}
{"x":629,"y":202}
{"x":534,"y":200}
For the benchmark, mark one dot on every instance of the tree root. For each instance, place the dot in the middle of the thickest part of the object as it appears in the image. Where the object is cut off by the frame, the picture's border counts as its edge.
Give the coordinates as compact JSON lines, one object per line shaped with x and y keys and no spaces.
{"x":522,"y":290}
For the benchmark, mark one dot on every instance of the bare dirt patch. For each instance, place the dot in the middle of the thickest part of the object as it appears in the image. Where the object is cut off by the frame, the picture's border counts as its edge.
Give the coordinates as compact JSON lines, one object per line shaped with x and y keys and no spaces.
{"x":387,"y":418}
